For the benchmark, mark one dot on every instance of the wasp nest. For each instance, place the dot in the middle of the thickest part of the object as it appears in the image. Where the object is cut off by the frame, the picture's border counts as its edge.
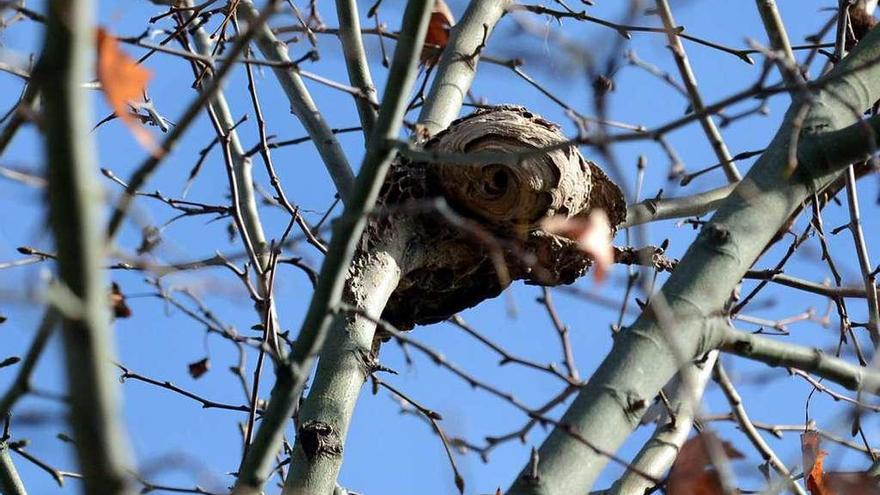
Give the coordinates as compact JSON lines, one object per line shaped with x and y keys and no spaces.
{"x":523,"y":172}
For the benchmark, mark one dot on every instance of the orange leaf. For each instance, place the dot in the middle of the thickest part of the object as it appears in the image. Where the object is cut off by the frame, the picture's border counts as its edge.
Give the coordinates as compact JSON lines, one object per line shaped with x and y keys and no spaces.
{"x":592,"y":234}
{"x":438,"y":33}
{"x":693,"y":473}
{"x":820,"y":482}
{"x":123,"y":81}
{"x":813,"y":457}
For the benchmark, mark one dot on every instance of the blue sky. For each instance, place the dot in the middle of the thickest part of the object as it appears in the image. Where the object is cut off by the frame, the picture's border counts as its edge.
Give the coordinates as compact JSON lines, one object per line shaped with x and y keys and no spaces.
{"x":178,"y":443}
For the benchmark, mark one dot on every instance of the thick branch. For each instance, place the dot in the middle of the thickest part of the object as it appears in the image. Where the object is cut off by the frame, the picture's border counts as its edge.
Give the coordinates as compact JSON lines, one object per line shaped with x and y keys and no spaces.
{"x":356,"y":62}
{"x":74,"y":198}
{"x":347,"y":232}
{"x":10,"y":482}
{"x":458,"y":64}
{"x":660,"y":451}
{"x":343,"y":367}
{"x":775,"y":353}
{"x":675,"y":328}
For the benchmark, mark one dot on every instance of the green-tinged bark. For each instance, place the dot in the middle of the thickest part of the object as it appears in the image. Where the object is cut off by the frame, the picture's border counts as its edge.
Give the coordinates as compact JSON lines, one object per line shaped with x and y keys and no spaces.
{"x":677,"y":326}
{"x":356,"y":62}
{"x":458,"y":64}
{"x":660,"y":451}
{"x":347,"y":232}
{"x":343,"y":367}
{"x":10,"y":482}
{"x":74,"y":199}
{"x":775,"y":353}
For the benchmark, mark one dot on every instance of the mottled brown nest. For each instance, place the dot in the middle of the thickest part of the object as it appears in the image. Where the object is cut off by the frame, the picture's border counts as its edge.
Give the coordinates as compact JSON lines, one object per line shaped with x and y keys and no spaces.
{"x":490,"y":233}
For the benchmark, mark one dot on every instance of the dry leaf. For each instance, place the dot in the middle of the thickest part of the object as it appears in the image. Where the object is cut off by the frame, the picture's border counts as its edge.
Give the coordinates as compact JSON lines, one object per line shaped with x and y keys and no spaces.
{"x":835,"y":483}
{"x":693,"y":473}
{"x":858,"y":483}
{"x":438,"y":33}
{"x":123,"y":81}
{"x":592,"y":234}
{"x":117,"y":302}
{"x":199,"y":368}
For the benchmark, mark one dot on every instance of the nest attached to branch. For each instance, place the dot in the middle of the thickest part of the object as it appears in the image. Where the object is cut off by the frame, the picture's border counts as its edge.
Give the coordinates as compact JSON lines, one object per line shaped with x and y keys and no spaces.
{"x":523,"y":173}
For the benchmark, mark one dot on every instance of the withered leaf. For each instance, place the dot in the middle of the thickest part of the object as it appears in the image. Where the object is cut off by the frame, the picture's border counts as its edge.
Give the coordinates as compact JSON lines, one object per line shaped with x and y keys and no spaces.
{"x":117,"y":302}
{"x":592,"y":234}
{"x":123,"y":81}
{"x":441,"y":22}
{"x":693,"y":473}
{"x":199,"y":368}
{"x":820,"y":482}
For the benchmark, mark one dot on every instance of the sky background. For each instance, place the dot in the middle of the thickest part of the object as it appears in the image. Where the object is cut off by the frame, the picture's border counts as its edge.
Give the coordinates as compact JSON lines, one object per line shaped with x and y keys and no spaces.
{"x":176,"y":442}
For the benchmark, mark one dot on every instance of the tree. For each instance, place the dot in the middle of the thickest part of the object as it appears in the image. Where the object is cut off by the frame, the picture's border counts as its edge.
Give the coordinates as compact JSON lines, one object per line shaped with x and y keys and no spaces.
{"x":442,"y":214}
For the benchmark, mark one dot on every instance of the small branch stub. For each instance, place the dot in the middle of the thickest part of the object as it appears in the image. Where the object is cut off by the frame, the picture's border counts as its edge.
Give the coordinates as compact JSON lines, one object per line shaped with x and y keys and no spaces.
{"x":490,"y":234}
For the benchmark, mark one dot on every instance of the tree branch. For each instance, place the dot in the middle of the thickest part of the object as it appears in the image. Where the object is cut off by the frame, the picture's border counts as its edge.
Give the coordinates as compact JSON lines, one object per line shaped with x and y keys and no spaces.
{"x":690,"y":83}
{"x":775,"y":353}
{"x":10,"y":482}
{"x":458,"y":64}
{"x":356,"y":62}
{"x":675,"y":328}
{"x":660,"y":451}
{"x":652,"y":210}
{"x":302,"y":104}
{"x":21,"y":383}
{"x":291,"y":376}
{"x":74,"y":198}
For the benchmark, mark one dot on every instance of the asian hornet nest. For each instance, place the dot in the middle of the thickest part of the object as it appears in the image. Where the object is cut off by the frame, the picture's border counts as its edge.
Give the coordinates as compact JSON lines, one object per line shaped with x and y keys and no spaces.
{"x":487,"y":232}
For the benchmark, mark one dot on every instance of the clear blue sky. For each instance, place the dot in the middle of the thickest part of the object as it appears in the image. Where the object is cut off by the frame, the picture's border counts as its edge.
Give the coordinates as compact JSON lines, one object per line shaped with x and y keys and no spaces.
{"x":178,"y":443}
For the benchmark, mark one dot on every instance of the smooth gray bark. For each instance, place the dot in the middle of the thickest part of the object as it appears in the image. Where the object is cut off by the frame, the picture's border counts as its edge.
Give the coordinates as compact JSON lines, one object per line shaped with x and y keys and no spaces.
{"x":10,"y":482}
{"x":344,"y":366}
{"x":677,"y":327}
{"x":347,"y":231}
{"x":74,"y":198}
{"x":356,"y":62}
{"x":458,"y":64}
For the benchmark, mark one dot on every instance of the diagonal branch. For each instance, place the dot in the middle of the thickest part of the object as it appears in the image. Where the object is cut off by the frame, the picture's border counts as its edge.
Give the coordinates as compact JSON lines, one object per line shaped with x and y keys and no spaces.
{"x":775,"y":353}
{"x":648,"y":354}
{"x":458,"y":64}
{"x":690,"y":83}
{"x":356,"y":62}
{"x":291,"y":376}
{"x":301,"y":102}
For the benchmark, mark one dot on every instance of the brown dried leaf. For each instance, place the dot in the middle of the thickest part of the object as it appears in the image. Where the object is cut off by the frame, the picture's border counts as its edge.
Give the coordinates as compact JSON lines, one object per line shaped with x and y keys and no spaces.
{"x":852,"y":483}
{"x":117,"y":302}
{"x":123,"y":81}
{"x":693,"y":473}
{"x":441,"y":22}
{"x":199,"y":368}
{"x":592,"y":234}
{"x":835,"y":483}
